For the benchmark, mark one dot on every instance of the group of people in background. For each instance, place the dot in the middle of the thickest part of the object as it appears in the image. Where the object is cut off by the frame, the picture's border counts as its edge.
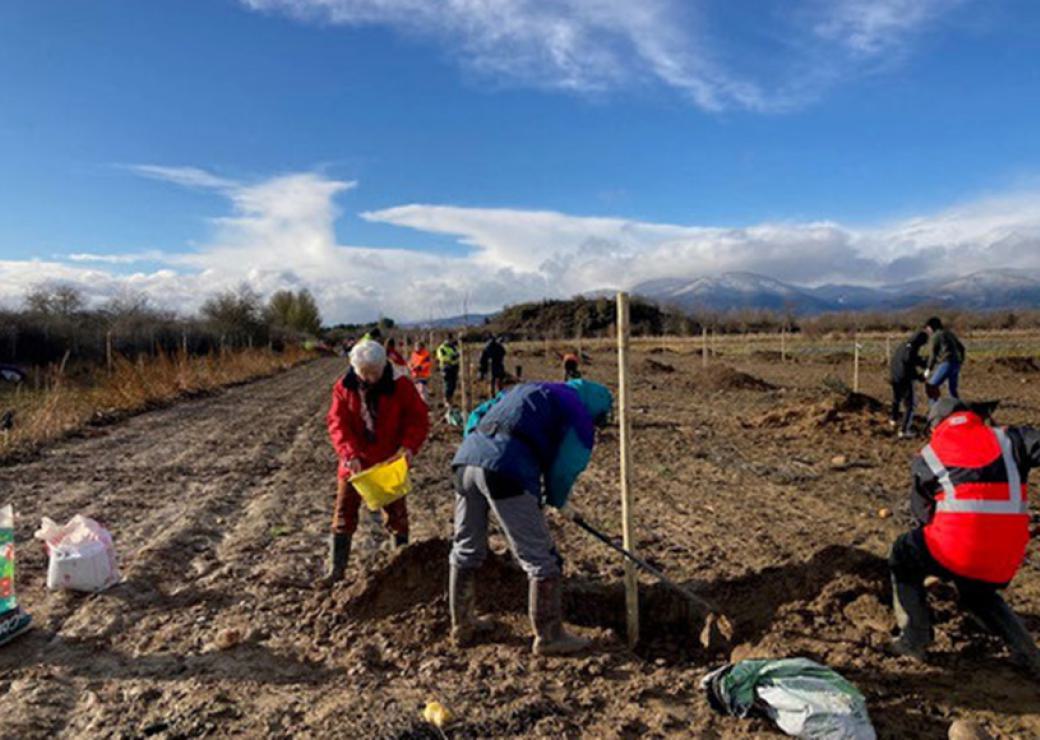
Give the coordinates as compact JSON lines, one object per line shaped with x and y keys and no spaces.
{"x":908,"y":367}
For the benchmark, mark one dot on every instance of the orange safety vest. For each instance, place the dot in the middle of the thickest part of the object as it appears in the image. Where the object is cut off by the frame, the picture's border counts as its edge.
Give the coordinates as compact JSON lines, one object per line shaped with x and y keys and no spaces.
{"x":981,"y":525}
{"x":421,"y":364}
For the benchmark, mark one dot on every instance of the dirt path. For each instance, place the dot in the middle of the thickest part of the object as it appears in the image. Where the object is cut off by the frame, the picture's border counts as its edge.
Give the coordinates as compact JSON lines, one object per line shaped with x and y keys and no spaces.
{"x":219,"y":507}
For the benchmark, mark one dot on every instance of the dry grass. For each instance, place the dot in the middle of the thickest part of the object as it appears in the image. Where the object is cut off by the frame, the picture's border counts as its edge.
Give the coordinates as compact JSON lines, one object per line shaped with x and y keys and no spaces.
{"x":65,"y":405}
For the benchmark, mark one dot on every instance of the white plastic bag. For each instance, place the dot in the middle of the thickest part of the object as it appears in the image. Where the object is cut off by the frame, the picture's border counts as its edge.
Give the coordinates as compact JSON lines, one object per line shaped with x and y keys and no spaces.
{"x":82,"y":556}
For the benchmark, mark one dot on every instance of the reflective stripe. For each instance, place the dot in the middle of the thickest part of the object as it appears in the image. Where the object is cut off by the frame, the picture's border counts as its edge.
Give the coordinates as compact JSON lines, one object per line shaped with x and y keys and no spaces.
{"x":1014,"y":504}
{"x":1014,"y":479}
{"x":940,"y":471}
{"x":980,"y":506}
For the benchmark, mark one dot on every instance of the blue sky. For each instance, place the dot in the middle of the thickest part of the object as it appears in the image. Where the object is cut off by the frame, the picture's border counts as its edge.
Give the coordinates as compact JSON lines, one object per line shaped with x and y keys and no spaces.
{"x":401,"y":157}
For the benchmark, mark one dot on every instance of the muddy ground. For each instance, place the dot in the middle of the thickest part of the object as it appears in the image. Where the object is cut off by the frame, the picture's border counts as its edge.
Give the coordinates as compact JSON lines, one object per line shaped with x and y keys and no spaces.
{"x":219,"y":507}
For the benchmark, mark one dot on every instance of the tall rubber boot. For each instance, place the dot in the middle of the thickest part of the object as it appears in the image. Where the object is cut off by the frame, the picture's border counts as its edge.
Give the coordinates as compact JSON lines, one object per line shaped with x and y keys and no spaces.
{"x":466,"y":627}
{"x":399,"y":540}
{"x":1001,"y":620}
{"x":545,"y":605}
{"x":339,"y":554}
{"x":915,"y":624}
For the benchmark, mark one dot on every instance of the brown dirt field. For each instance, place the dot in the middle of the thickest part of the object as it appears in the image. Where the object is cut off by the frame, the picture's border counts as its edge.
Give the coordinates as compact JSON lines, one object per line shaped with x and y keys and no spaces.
{"x":219,"y":507}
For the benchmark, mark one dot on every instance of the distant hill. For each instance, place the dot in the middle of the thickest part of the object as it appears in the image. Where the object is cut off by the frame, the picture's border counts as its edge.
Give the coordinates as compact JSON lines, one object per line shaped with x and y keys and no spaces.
{"x":987,"y":290}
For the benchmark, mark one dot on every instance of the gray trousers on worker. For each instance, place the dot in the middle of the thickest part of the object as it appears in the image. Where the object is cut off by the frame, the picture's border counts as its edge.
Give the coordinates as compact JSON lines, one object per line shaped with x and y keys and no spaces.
{"x":519,"y":515}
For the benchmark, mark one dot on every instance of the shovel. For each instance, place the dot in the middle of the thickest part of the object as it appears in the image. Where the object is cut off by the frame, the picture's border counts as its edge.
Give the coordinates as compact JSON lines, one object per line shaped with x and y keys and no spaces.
{"x":717,"y":630}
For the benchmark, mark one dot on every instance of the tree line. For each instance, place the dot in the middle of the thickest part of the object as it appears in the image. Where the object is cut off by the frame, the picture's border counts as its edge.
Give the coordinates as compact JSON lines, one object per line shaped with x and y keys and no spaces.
{"x":54,"y":323}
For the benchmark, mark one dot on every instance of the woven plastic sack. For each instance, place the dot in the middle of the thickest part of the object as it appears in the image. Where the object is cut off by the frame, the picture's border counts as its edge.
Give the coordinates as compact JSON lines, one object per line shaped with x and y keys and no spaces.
{"x":82,"y":556}
{"x":13,"y":621}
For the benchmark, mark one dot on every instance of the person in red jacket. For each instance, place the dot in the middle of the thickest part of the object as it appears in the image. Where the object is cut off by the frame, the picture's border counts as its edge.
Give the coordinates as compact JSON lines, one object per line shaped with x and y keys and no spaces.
{"x":374,"y":416}
{"x":970,"y":500}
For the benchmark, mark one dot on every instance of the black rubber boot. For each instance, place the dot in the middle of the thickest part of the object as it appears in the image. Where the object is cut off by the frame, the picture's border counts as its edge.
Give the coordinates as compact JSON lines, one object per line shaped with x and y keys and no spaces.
{"x":339,"y":554}
{"x":400,"y":540}
{"x":1000,"y":619}
{"x":545,"y":605}
{"x":466,"y":627}
{"x":915,"y":624}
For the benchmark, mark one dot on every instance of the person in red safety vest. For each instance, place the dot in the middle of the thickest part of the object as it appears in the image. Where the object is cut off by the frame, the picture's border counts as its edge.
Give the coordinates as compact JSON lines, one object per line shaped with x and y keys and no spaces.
{"x":970,"y":503}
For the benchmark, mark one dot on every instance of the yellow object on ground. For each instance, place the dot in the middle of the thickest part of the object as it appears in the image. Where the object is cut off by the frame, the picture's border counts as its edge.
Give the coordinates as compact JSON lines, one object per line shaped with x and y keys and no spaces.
{"x":437,"y":714}
{"x":384,"y":483}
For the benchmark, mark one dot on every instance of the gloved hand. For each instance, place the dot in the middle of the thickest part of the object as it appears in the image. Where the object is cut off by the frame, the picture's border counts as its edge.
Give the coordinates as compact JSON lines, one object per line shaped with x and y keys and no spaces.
{"x":354,"y":465}
{"x":406,"y":454}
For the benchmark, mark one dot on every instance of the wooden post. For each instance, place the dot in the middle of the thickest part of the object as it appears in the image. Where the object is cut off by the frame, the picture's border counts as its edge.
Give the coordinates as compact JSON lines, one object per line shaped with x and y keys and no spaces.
{"x":464,"y":378}
{"x":625,"y":426}
{"x":855,"y":365}
{"x":888,"y":350}
{"x":184,"y":343}
{"x":783,"y":344}
{"x":108,"y":350}
{"x":704,"y":346}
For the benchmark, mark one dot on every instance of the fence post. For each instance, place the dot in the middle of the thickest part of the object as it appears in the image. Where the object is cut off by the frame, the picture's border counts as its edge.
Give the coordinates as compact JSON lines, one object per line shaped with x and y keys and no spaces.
{"x":704,"y":346}
{"x":783,"y":344}
{"x":855,"y":364}
{"x":108,"y":350}
{"x":464,"y":378}
{"x":625,"y":426}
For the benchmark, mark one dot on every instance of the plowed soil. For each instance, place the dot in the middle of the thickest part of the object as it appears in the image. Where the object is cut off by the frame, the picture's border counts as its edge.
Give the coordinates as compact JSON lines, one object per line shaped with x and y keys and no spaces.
{"x":219,"y":507}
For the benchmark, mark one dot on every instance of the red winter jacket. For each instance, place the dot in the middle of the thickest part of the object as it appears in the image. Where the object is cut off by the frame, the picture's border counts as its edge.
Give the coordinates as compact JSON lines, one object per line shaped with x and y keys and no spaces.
{"x":401,"y":420}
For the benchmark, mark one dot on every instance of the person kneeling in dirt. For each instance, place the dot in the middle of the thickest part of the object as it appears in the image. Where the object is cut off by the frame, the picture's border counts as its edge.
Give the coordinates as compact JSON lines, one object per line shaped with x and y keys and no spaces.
{"x":374,"y":417}
{"x":970,"y":501}
{"x":526,"y":435}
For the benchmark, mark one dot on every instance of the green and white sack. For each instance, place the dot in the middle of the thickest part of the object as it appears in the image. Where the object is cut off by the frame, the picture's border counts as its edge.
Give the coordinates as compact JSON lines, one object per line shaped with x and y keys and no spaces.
{"x":13,"y":621}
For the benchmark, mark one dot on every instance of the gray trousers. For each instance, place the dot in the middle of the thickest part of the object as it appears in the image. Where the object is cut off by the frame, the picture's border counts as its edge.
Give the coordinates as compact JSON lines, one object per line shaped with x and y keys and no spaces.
{"x":521,"y":520}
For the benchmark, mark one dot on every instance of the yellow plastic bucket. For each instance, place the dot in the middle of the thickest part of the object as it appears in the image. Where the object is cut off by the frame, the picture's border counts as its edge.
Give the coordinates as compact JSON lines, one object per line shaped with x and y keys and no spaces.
{"x":384,"y":483}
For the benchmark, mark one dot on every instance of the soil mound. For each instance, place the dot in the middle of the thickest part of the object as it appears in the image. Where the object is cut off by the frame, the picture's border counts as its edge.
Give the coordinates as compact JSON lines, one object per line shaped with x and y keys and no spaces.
{"x":662,"y":351}
{"x":651,"y":365}
{"x":725,"y":378}
{"x":1026,"y":365}
{"x":768,"y":355}
{"x":848,"y":412}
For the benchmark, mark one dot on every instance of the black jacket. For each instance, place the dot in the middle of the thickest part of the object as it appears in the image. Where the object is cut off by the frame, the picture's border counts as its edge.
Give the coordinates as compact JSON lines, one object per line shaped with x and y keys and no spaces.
{"x":1025,"y":444}
{"x":907,"y":362}
{"x":946,"y":347}
{"x":494,"y":355}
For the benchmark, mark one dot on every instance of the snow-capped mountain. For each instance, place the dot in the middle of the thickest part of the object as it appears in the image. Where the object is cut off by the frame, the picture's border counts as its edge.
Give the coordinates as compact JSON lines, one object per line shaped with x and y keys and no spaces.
{"x":991,"y":289}
{"x":735,"y":290}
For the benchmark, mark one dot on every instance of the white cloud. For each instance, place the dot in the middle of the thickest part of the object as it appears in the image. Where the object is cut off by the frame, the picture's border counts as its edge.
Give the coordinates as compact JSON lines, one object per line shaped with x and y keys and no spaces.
{"x":598,"y":45}
{"x":280,"y":233}
{"x":869,"y":27}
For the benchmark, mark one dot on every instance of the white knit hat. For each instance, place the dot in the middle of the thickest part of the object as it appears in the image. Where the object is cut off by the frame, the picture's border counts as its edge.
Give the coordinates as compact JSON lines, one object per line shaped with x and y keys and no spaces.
{"x":367,"y":355}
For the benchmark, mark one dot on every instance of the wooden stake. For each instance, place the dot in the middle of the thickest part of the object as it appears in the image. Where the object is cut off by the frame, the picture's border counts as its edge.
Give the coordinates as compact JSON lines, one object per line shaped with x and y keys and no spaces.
{"x":464,"y":378}
{"x":855,"y":366}
{"x":783,"y":345}
{"x":108,"y":350}
{"x":625,"y":426}
{"x":704,"y":346}
{"x":888,"y":350}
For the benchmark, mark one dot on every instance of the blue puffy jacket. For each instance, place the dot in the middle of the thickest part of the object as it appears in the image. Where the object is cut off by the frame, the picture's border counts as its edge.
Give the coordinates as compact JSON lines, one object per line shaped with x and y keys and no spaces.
{"x":540,"y":434}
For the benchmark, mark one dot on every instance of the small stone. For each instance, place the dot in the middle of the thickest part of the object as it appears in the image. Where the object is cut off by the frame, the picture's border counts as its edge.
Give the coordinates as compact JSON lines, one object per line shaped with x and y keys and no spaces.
{"x":227,"y":639}
{"x":839,"y":461}
{"x":884,"y":513}
{"x":964,"y":729}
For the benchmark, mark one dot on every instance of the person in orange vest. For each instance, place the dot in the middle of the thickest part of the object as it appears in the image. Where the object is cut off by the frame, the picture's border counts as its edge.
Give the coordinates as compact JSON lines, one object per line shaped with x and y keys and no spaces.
{"x":421,"y":365}
{"x":970,"y":500}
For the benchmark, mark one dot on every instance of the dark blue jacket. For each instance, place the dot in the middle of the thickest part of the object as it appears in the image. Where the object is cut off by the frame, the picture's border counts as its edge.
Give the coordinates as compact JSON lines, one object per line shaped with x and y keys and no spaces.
{"x":537,"y":433}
